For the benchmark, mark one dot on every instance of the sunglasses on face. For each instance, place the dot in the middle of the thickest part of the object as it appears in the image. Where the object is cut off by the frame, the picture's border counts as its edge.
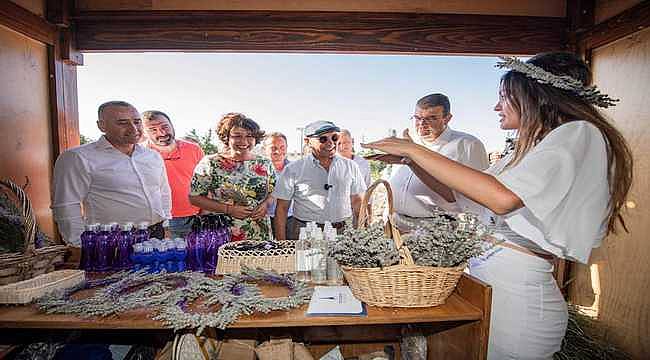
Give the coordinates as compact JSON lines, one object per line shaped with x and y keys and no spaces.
{"x":323,"y":139}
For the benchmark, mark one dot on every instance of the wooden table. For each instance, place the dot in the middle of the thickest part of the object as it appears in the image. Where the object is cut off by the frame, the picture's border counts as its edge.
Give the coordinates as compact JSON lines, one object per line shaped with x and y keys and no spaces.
{"x":456,"y":330}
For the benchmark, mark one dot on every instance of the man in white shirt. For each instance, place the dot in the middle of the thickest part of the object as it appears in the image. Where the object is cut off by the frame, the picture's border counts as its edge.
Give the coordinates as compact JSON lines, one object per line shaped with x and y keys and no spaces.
{"x":112,"y":179}
{"x":413,"y":194}
{"x":275,"y":149}
{"x":323,"y":185}
{"x":345,"y":148}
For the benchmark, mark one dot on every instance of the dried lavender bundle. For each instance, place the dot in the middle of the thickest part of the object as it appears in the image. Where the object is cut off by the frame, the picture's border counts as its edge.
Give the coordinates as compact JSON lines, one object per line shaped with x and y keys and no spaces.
{"x":447,"y":240}
{"x":365,"y":248}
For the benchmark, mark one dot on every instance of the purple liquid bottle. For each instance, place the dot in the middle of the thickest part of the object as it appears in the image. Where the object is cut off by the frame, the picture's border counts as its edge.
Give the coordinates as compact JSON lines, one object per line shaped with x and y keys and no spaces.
{"x":124,"y":248}
{"x":104,"y":249}
{"x":88,"y":248}
{"x":115,"y":235}
{"x":142,"y":233}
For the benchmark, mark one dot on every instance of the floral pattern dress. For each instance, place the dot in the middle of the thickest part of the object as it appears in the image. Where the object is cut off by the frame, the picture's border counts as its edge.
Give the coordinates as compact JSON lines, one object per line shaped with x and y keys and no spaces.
{"x":231,"y":182}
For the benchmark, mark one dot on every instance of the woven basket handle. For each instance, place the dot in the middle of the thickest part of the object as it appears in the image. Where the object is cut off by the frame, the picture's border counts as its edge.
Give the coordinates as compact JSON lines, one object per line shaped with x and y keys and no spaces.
{"x":390,"y":228}
{"x":29,"y":221}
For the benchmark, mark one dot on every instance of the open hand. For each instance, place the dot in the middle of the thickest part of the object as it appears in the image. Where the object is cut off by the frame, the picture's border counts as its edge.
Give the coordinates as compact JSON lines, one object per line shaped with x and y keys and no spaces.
{"x":387,"y":158}
{"x":392,"y":145}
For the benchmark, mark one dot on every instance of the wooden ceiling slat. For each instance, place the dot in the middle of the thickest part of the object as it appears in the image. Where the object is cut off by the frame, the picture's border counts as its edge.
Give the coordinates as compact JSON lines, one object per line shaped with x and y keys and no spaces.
{"x":626,"y":23}
{"x":25,"y":22}
{"x":317,"y":32}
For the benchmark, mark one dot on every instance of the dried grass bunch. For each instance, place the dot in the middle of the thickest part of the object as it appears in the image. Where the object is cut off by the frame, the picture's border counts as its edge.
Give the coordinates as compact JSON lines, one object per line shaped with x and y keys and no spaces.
{"x":447,"y":240}
{"x":364,"y":248}
{"x":444,"y":241}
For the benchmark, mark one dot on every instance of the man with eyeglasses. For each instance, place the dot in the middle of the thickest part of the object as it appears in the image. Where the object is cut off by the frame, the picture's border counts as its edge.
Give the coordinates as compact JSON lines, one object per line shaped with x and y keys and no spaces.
{"x":412,"y":191}
{"x":180,"y":158}
{"x":323,"y":185}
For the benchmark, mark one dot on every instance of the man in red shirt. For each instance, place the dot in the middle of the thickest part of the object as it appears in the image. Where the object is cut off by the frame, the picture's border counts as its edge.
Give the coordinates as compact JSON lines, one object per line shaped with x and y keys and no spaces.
{"x":180,"y":158}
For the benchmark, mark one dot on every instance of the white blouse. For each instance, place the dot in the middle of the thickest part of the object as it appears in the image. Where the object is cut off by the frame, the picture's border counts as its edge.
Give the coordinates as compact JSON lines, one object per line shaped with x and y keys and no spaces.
{"x":563,"y":184}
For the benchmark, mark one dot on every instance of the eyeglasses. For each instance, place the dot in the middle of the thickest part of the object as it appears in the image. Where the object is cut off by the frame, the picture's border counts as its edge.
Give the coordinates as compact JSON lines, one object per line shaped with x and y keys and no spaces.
{"x":323,"y":139}
{"x":429,"y":119}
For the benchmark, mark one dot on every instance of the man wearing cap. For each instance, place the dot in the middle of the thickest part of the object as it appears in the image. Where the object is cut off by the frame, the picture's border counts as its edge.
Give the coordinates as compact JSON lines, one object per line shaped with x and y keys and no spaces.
{"x":324,"y":186}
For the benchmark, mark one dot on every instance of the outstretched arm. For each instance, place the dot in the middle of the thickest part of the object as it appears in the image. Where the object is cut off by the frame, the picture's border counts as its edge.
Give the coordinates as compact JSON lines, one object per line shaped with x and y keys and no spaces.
{"x":482,"y":188}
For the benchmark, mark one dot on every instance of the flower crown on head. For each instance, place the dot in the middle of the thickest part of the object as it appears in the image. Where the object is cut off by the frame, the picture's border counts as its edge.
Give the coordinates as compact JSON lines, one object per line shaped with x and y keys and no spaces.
{"x":591,"y":94}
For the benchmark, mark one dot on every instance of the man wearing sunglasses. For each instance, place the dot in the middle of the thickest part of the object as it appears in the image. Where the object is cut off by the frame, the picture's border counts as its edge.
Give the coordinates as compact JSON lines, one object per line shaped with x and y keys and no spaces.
{"x":413,"y":197}
{"x":323,"y":185}
{"x":180,"y":158}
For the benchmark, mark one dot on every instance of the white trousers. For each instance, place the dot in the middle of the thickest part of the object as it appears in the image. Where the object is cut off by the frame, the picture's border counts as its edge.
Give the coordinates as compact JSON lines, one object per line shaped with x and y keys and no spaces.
{"x":529,"y":314}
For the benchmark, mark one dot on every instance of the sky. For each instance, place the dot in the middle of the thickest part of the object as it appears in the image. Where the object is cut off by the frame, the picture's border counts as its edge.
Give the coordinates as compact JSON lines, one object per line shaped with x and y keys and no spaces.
{"x":367,"y":94}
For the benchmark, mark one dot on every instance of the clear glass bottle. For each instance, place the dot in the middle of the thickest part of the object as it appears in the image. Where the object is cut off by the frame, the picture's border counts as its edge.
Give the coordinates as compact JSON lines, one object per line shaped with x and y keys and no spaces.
{"x":303,"y":246}
{"x":318,"y":258}
{"x":334,"y":272}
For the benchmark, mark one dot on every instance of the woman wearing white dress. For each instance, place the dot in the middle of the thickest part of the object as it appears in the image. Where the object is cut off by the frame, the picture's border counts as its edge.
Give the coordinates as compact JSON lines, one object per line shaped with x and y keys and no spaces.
{"x":559,"y":193}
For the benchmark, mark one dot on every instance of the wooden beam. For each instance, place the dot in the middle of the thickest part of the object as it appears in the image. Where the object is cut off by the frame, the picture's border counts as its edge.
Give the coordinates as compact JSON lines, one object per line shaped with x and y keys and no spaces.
{"x":25,"y":22}
{"x":69,"y":53}
{"x":63,"y":102}
{"x":626,"y":23}
{"x":58,"y":12}
{"x":339,"y":32}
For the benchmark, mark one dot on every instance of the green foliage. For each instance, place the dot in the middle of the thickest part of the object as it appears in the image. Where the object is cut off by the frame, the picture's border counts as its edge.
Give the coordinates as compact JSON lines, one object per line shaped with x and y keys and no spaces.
{"x":205,"y":141}
{"x":376,"y":167}
{"x":83,"y":139}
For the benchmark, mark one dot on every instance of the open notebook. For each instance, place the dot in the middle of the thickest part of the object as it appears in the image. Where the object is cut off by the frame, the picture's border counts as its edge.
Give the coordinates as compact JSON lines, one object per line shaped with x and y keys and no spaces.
{"x":334,"y":301}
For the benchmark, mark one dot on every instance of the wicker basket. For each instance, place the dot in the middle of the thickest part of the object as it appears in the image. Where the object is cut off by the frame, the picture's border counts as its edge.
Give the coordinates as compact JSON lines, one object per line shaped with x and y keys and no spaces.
{"x":25,"y":291}
{"x":281,"y":260}
{"x":32,"y":262}
{"x":403,"y":285}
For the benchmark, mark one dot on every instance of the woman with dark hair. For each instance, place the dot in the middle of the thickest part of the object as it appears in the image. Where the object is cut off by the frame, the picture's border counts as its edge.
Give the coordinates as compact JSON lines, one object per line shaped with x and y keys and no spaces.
{"x":559,"y":193}
{"x":236,"y":183}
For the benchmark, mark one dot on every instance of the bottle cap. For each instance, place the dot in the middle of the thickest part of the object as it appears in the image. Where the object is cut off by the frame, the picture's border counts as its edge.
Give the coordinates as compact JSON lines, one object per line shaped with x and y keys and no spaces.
{"x":180,"y":244}
{"x":146,"y":247}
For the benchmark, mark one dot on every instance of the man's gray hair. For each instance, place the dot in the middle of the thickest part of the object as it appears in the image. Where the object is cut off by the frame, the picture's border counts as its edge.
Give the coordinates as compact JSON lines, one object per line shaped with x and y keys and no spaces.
{"x":346,"y":132}
{"x":104,"y":106}
{"x":150,"y":114}
{"x":275,"y":134}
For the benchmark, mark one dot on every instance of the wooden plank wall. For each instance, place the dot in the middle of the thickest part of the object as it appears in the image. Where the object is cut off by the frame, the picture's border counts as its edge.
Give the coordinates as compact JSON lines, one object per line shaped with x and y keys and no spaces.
{"x":25,"y":133}
{"x":616,"y":284}
{"x":550,"y":8}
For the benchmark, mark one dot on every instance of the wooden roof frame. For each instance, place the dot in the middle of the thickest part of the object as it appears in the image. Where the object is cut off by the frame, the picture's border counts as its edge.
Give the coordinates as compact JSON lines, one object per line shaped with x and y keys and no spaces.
{"x":66,"y":32}
{"x":324,"y":32}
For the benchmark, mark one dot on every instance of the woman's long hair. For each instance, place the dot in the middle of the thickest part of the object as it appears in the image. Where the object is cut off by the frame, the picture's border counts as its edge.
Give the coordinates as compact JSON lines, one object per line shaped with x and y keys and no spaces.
{"x":542,"y":108}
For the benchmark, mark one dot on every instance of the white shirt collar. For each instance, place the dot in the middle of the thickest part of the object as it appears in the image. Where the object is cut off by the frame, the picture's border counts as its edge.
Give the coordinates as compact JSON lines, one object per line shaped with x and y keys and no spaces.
{"x":103,"y":143}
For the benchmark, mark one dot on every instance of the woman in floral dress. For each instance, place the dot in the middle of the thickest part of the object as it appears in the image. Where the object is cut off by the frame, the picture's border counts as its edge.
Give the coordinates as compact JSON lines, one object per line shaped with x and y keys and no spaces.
{"x":237,"y":182}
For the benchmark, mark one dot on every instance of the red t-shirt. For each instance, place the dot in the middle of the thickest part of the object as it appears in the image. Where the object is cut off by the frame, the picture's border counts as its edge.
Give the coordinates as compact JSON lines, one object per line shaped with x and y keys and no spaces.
{"x":180,"y":165}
